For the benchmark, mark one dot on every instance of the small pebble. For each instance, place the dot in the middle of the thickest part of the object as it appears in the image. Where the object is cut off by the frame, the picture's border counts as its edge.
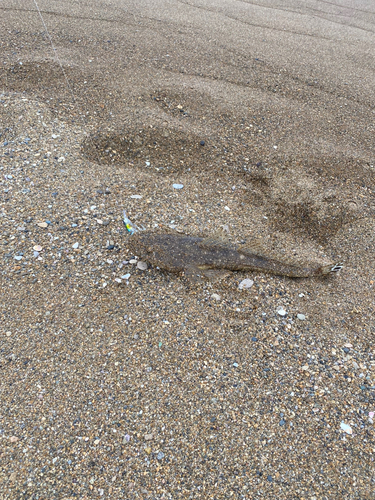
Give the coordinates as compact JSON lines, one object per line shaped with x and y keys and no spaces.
{"x":38,"y":248}
{"x":126,"y":276}
{"x":245,"y":284}
{"x":178,"y":186}
{"x":346,"y":428}
{"x":18,"y":257}
{"x":215,"y":296}
{"x":136,"y":196}
{"x":160,"y":455}
{"x":75,"y":245}
{"x":281,"y":311}
{"x":132,"y":261}
{"x":148,"y":437}
{"x":42,"y":224}
{"x":302,"y":317}
{"x":142,"y":265}
{"x":235,"y":365}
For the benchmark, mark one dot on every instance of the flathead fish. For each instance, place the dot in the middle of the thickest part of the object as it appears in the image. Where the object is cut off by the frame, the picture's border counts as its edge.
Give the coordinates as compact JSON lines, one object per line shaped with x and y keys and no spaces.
{"x":213,"y":258}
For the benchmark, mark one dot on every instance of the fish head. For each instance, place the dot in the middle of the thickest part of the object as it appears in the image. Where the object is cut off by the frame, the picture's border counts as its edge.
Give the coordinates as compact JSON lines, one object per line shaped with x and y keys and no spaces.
{"x":142,"y":245}
{"x":152,"y":248}
{"x":163,"y":250}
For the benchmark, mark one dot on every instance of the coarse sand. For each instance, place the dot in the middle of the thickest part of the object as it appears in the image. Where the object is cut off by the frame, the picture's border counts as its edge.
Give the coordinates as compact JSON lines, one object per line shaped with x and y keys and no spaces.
{"x":120,"y":382}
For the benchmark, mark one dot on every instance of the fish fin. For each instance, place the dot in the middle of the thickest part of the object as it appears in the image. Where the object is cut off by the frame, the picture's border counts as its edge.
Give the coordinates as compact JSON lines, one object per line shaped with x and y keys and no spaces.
{"x":215,"y":275}
{"x":193,"y":274}
{"x":256,"y":247}
{"x":332,"y":268}
{"x":253,"y":247}
{"x":218,"y":239}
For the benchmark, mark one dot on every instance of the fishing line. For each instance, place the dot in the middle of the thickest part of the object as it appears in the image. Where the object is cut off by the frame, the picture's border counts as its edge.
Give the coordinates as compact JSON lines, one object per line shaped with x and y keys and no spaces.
{"x":55,"y":52}
{"x":66,"y":79}
{"x":131,"y":228}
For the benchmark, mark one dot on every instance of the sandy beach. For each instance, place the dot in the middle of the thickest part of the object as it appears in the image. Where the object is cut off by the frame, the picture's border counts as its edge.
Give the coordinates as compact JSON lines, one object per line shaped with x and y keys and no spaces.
{"x":125,"y":382}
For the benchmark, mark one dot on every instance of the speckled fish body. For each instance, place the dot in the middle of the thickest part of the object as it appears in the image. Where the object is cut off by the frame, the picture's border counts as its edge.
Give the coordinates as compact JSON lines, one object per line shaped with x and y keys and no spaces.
{"x":195,"y":256}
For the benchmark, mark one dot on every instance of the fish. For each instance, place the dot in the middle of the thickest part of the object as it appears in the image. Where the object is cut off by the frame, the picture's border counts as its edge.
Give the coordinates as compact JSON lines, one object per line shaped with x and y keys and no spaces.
{"x":214,"y":257}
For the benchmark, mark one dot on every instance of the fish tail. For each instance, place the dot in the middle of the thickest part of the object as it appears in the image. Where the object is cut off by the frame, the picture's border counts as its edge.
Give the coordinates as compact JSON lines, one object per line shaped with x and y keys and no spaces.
{"x":331,"y":268}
